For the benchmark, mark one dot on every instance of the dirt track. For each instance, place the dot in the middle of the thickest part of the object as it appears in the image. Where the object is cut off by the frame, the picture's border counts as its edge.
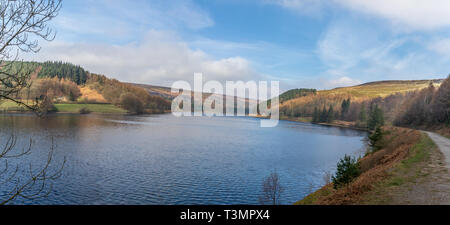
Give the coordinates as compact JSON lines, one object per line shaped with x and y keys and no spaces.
{"x":434,"y":187}
{"x":431,"y":179}
{"x":444,"y":145}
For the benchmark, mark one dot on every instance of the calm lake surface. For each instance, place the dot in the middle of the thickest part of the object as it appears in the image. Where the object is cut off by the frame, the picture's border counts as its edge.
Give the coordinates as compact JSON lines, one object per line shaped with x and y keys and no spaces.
{"x":167,"y":160}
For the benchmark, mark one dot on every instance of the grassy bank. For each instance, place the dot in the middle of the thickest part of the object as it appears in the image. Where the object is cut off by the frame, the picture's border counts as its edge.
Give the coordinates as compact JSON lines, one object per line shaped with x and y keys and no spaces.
{"x":95,"y":108}
{"x":399,"y":163}
{"x":9,"y":106}
{"x":404,"y":175}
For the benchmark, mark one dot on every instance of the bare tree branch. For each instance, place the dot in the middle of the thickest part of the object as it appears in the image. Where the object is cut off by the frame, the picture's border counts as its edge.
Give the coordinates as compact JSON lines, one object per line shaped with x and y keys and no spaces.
{"x":37,"y":184}
{"x":23,"y":23}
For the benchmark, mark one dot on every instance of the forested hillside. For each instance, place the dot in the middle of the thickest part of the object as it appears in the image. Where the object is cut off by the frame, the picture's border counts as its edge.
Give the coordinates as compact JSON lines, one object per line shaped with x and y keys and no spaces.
{"x":422,"y":104}
{"x":130,"y":97}
{"x":296,"y":93}
{"x":306,"y":105}
{"x":61,"y":82}
{"x":49,"y":69}
{"x":64,"y":70}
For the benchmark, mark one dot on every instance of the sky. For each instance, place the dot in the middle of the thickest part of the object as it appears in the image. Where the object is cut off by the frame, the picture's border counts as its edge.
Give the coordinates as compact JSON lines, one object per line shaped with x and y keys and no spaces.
{"x":301,"y":43}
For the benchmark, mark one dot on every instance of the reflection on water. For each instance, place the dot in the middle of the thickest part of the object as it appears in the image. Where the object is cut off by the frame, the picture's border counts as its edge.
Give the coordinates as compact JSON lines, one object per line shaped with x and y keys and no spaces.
{"x":167,"y":160}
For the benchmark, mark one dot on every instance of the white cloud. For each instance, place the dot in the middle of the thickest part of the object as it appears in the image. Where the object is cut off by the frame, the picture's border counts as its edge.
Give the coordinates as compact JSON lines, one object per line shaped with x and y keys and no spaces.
{"x":356,"y":51}
{"x":409,"y":14}
{"x":122,"y":20}
{"x":305,"y":6}
{"x":416,"y":14}
{"x":161,"y":58}
{"x":441,"y":46}
{"x":341,"y":82}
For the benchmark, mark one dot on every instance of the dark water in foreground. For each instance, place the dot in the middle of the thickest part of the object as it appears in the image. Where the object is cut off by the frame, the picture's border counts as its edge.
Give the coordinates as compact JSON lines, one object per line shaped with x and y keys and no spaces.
{"x":168,"y":160}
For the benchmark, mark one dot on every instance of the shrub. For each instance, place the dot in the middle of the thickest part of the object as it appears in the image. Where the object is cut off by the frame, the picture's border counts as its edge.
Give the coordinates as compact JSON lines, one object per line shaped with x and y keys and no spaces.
{"x":375,"y":139}
{"x":271,"y":190}
{"x":85,"y":110}
{"x":131,"y":103}
{"x":46,"y":106}
{"x":347,"y":170}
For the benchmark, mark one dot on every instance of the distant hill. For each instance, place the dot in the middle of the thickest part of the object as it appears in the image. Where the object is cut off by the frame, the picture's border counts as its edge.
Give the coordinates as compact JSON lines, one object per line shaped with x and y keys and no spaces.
{"x":164,"y":92}
{"x":69,"y":83}
{"x":363,"y":91}
{"x":296,"y":93}
{"x":381,"y":88}
{"x":294,"y":103}
{"x":304,"y":106}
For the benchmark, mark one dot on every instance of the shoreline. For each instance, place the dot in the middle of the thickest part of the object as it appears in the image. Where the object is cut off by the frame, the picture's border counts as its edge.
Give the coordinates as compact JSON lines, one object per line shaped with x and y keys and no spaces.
{"x":78,"y":114}
{"x":341,"y":124}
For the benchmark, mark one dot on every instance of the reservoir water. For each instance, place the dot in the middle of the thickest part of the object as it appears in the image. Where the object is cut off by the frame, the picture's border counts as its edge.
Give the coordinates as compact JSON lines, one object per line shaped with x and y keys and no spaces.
{"x":167,"y":160}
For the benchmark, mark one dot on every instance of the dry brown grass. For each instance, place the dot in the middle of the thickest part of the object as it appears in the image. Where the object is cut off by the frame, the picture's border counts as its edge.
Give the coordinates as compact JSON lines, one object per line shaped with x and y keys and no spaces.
{"x":357,"y":94}
{"x":443,"y":130}
{"x":381,"y":88}
{"x":90,"y":95}
{"x":375,"y":167}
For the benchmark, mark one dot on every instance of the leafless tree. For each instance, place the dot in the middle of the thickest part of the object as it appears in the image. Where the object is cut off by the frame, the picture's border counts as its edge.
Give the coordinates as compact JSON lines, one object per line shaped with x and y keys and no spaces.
{"x":22,"y":24}
{"x":271,"y":190}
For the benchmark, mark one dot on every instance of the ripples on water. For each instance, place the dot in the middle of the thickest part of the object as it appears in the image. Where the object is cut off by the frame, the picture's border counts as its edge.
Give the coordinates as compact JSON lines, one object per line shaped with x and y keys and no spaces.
{"x":167,"y":160}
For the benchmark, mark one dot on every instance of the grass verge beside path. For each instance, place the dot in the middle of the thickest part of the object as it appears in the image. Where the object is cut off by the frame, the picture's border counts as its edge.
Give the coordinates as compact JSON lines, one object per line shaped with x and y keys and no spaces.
{"x":407,"y":167}
{"x":405,"y":181}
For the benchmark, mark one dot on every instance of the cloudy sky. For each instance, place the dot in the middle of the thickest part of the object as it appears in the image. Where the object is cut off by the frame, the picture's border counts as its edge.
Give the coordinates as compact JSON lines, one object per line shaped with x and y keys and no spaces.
{"x":301,"y":43}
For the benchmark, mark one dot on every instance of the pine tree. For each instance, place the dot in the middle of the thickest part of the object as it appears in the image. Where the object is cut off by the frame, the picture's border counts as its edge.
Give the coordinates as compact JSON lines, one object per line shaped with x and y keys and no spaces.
{"x":362,"y":114}
{"x":315,"y":118}
{"x":323,"y":115}
{"x":375,"y":139}
{"x":330,"y":115}
{"x":362,"y":117}
{"x":348,"y":169}
{"x":376,"y":118}
{"x":345,"y":106}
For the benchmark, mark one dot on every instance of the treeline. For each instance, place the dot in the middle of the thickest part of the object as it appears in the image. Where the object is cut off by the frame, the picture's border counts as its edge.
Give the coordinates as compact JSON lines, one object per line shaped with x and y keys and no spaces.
{"x":305,"y":106}
{"x":427,"y":107}
{"x":47,"y":91}
{"x":370,"y":117}
{"x":64,"y":70}
{"x":134,"y":99}
{"x":422,"y":108}
{"x":324,"y":116}
{"x":60,"y":81}
{"x":296,"y":93}
{"x":19,"y":68}
{"x":54,"y":89}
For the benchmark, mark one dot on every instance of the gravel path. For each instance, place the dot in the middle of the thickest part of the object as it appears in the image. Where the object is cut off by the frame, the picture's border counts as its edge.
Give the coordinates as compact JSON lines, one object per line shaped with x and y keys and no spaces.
{"x":431,"y":185}
{"x":444,"y":145}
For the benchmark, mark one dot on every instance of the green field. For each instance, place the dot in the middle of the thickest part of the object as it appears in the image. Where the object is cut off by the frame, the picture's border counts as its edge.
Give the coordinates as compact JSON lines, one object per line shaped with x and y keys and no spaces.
{"x":67,"y":108}
{"x":96,"y":108}
{"x":10,"y":106}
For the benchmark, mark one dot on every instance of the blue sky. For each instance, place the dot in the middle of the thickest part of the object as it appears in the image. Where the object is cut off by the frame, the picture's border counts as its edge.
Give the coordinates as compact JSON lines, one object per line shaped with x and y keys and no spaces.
{"x":302,"y":43}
